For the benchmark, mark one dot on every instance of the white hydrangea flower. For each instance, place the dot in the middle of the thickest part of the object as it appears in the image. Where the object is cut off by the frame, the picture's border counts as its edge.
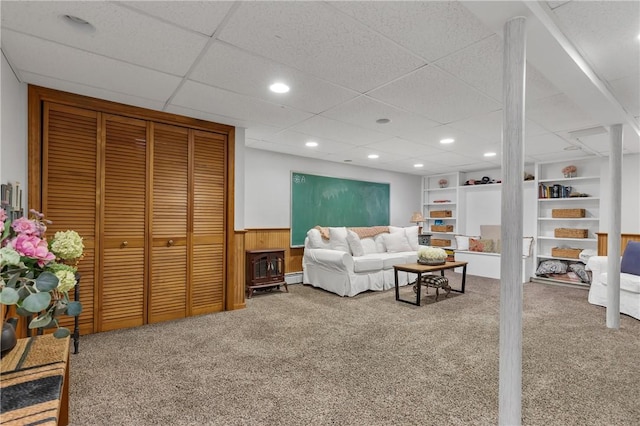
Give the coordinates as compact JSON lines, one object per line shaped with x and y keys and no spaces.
{"x":8,"y":256}
{"x":431,"y":253}
{"x":67,"y":245}
{"x":66,"y":280}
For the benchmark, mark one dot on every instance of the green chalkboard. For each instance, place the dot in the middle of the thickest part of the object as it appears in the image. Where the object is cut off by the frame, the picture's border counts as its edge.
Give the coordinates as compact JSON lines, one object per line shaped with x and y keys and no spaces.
{"x":329,"y":201}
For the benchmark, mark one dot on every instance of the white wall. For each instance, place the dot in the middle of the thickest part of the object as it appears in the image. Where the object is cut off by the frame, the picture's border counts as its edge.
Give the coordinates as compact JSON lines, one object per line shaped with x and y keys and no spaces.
{"x":630,"y":195}
{"x":13,"y":124}
{"x":268,"y":187}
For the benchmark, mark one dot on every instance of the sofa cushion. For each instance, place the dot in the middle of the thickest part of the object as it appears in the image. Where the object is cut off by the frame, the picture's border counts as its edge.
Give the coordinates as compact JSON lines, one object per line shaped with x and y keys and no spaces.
{"x":367,"y":263}
{"x":628,"y":282}
{"x":390,"y":259}
{"x":338,"y":239}
{"x":354,"y":243}
{"x":396,"y":242}
{"x":631,"y":258}
{"x":380,"y":247}
{"x":481,"y":245}
{"x":368,"y":245}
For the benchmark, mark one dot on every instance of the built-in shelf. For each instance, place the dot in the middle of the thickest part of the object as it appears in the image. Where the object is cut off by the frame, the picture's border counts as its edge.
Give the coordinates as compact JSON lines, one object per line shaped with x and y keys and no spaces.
{"x":570,"y":199}
{"x":566,"y":238}
{"x":573,"y":179}
{"x":571,"y":219}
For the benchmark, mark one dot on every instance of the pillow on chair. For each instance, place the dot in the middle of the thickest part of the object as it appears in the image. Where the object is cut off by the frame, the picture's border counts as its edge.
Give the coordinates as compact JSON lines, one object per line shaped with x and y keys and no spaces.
{"x":631,"y":258}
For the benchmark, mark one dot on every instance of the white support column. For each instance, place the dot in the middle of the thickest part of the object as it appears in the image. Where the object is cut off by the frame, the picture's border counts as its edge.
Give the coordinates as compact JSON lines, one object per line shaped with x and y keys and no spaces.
{"x":513,"y":88}
{"x":615,"y":218}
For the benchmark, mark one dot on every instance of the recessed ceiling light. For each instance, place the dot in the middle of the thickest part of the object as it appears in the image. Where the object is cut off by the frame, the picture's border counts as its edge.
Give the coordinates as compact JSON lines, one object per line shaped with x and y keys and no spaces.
{"x":373,"y":156}
{"x":489,"y":154}
{"x":417,"y":166}
{"x":78,"y":23}
{"x":279,"y":88}
{"x":447,"y":140}
{"x":311,"y":144}
{"x":383,"y":121}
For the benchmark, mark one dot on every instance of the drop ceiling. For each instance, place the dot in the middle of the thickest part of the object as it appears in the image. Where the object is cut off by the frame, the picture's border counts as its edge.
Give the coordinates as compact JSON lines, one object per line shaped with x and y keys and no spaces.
{"x":434,"y":69}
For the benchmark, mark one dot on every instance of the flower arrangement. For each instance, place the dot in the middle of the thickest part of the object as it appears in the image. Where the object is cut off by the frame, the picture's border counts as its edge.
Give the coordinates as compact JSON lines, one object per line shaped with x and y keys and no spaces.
{"x":443,"y":183}
{"x":36,"y":275}
{"x":431,"y":255}
{"x":569,"y":171}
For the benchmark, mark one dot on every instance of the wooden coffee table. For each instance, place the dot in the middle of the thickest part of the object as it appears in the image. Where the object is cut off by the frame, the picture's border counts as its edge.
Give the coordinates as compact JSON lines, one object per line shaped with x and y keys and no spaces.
{"x":417,"y":268}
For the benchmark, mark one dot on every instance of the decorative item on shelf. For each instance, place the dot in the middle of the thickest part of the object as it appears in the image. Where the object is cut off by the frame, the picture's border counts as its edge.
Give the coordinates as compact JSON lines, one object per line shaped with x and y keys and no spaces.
{"x":570,"y":253}
{"x":443,"y":183}
{"x":570,"y":233}
{"x":432,"y":256}
{"x":440,"y":242}
{"x":441,"y":228}
{"x":441,"y":201}
{"x":418,"y":219}
{"x":528,"y":176}
{"x":569,"y":171}
{"x":567,"y":213}
{"x":440,"y":213}
{"x":37,"y":276}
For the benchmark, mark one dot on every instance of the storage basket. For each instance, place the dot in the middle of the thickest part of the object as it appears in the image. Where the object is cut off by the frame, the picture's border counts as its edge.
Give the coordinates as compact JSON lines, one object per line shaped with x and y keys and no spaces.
{"x":437,"y":242}
{"x":571,"y":253}
{"x":440,"y":213}
{"x":570,"y":233}
{"x":441,"y":228}
{"x":567,"y":213}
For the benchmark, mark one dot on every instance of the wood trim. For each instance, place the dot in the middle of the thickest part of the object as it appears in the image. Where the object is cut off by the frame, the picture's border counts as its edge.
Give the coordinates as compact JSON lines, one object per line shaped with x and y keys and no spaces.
{"x":603,"y":242}
{"x":265,"y":238}
{"x":46,"y":94}
{"x":239,"y":271}
{"x":231,"y":297}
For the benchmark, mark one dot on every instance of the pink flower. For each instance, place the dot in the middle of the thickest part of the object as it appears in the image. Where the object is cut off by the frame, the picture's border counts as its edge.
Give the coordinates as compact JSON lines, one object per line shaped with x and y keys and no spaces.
{"x":3,"y":215}
{"x":33,"y":247}
{"x":24,"y":226}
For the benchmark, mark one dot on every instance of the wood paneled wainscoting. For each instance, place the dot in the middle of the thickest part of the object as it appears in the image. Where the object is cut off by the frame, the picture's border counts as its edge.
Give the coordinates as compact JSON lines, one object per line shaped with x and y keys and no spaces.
{"x":603,"y":242}
{"x":151,"y":194}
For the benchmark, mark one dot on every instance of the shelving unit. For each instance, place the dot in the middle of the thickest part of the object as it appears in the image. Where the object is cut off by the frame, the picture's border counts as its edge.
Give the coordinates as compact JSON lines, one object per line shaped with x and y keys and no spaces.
{"x":437,"y":198}
{"x":586,"y":182}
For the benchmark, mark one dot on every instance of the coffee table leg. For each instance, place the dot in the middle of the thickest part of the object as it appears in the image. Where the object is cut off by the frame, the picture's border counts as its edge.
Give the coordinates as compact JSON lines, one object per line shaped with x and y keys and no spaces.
{"x":395,"y":271}
{"x":418,"y":284}
{"x":464,"y":276}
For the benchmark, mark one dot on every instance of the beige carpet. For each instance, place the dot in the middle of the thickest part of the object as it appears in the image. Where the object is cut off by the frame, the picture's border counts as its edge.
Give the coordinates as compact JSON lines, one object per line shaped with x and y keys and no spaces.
{"x":313,"y":358}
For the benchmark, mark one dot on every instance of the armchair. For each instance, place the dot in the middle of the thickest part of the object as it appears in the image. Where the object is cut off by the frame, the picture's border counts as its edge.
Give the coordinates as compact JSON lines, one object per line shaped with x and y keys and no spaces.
{"x":629,"y":287}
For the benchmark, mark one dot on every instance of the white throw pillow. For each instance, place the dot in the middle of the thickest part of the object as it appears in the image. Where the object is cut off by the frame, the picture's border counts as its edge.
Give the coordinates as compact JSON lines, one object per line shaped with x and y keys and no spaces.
{"x":315,"y":239}
{"x":354,"y":243}
{"x":338,"y":239}
{"x":380,"y":247}
{"x":462,"y":242}
{"x":368,"y":245}
{"x":394,"y":229}
{"x":396,"y":242}
{"x":411,"y":232}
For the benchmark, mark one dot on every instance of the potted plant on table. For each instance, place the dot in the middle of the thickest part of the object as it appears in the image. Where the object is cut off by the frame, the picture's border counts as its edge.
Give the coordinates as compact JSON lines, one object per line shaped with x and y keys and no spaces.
{"x":428,"y":255}
{"x":36,"y":275}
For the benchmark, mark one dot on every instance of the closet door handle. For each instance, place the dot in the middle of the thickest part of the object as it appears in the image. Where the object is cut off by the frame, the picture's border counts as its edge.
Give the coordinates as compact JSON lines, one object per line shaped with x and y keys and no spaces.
{"x":124,"y":243}
{"x":169,"y":243}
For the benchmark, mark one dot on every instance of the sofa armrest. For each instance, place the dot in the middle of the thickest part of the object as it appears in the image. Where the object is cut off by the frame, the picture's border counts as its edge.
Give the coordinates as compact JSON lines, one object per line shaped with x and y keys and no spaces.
{"x":330,"y":259}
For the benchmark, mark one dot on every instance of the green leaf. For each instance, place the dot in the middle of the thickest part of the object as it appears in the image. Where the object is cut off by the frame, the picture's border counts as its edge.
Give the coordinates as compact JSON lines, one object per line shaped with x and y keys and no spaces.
{"x":74,"y":309}
{"x":40,"y":321}
{"x":13,"y":280}
{"x":46,"y":281}
{"x":25,"y":291}
{"x":61,"y":332}
{"x":6,"y":230}
{"x":37,"y":302}
{"x":23,"y":312}
{"x":9,"y":296}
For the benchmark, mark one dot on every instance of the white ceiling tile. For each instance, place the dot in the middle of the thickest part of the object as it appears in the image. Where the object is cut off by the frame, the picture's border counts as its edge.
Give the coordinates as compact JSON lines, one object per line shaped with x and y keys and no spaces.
{"x":322,"y":42}
{"x":364,"y":111}
{"x":338,"y":131}
{"x":120,"y":33}
{"x":298,"y":140}
{"x":558,"y":113}
{"x":557,"y":3}
{"x":94,"y":92}
{"x":423,"y":27}
{"x":563,"y":155}
{"x":285,"y":149}
{"x":203,"y":115}
{"x":606,"y":32}
{"x":201,"y":16}
{"x":216,"y":101}
{"x":627,"y":91}
{"x":435,"y":94}
{"x":452,"y":159}
{"x":38,"y":56}
{"x":547,"y":142}
{"x":359,"y":156}
{"x":251,"y":75}
{"x":405,"y":148}
{"x":489,"y":126}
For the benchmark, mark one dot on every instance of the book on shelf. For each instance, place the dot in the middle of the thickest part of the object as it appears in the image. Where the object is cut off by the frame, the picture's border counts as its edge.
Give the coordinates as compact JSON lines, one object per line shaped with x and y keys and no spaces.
{"x":554,"y":191}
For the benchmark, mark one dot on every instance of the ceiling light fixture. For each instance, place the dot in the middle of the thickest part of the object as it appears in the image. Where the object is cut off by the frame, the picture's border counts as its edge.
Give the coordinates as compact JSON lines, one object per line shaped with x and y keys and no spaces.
{"x":447,"y":140}
{"x":279,"y":88}
{"x":489,"y":154}
{"x":383,"y":121}
{"x":311,"y":144}
{"x":417,"y":166}
{"x":78,"y":23}
{"x":373,"y":156}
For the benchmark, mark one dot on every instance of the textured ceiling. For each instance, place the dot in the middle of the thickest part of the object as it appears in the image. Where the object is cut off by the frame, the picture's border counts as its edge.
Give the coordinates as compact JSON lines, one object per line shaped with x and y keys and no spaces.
{"x":433,"y":68}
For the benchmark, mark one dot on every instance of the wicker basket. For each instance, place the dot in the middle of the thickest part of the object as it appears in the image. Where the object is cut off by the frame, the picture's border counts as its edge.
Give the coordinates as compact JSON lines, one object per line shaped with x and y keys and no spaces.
{"x":567,"y":213}
{"x":570,"y":253}
{"x":440,"y":213}
{"x":570,"y":233}
{"x":436,"y":242}
{"x":441,"y":228}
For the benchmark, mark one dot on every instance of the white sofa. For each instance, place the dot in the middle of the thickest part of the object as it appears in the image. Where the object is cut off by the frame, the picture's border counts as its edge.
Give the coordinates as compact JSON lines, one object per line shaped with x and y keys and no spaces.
{"x":347,"y":264}
{"x":629,"y":287}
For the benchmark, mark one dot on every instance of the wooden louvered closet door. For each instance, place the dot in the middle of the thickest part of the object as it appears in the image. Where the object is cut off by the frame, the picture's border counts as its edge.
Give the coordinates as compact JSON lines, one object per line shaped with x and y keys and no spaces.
{"x":208,"y":257}
{"x":169,"y":272}
{"x":69,"y":187}
{"x":124,"y":277}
